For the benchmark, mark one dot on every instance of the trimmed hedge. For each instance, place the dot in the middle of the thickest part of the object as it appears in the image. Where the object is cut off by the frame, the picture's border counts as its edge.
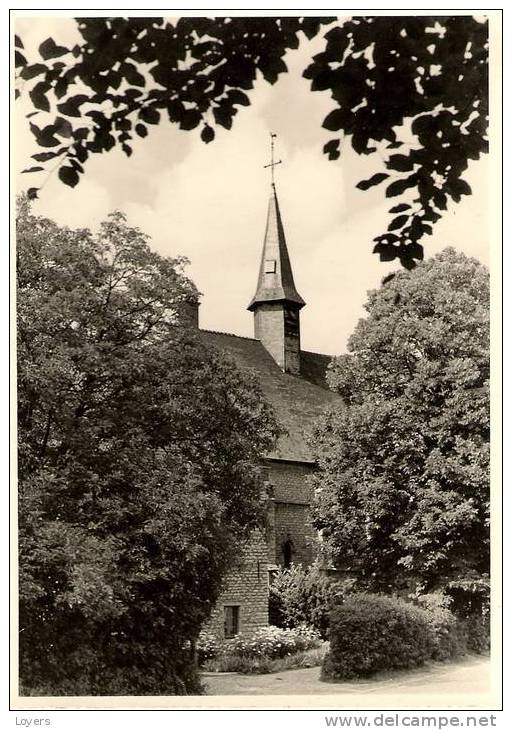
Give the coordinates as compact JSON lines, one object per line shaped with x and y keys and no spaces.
{"x":370,"y":633}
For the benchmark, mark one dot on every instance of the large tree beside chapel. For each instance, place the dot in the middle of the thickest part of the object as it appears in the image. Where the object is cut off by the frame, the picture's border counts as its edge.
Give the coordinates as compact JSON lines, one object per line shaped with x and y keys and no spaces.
{"x":402,"y":494}
{"x":137,"y":453}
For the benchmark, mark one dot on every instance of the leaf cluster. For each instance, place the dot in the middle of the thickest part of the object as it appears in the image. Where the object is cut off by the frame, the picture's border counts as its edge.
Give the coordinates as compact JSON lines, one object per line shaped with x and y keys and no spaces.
{"x":412,"y":88}
{"x":129,"y":74}
{"x":372,"y":633}
{"x":304,"y":596}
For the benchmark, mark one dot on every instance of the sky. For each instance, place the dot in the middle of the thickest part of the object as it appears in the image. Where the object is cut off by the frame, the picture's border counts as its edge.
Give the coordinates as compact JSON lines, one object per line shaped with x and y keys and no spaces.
{"x":209,"y":202}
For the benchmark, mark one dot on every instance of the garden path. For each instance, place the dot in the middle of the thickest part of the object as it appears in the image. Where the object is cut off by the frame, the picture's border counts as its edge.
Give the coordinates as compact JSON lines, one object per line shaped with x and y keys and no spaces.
{"x":470,"y":676}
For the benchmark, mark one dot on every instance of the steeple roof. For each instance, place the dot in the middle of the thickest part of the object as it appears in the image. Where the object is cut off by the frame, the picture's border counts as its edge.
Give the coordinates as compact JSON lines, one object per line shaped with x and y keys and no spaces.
{"x":275,"y":279}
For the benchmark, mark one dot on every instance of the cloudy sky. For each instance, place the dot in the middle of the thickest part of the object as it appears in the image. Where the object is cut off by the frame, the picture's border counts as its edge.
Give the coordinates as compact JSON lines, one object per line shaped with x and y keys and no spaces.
{"x":208,"y":202}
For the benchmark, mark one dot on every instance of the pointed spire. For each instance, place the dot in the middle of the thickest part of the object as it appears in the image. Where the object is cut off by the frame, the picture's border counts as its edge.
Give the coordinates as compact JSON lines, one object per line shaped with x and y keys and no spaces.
{"x":275,"y":280}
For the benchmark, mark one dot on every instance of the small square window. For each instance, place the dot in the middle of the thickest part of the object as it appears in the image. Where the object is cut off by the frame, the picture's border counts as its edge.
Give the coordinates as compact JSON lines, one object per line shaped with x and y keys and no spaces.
{"x":231,"y":621}
{"x":270,"y":266}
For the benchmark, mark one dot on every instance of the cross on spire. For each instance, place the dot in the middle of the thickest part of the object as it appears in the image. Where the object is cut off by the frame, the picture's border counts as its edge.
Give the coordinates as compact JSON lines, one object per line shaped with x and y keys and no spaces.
{"x":272,"y":164}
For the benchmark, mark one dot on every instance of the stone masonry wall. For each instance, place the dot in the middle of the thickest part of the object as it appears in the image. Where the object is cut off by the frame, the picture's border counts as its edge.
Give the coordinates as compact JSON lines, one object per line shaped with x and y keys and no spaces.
{"x":289,"y":483}
{"x":290,"y":516}
{"x":292,"y":523}
{"x":246,"y":587}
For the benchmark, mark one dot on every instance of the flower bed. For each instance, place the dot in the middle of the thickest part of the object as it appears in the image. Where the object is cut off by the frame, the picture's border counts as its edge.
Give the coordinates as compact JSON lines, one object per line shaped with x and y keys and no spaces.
{"x":257,"y":650}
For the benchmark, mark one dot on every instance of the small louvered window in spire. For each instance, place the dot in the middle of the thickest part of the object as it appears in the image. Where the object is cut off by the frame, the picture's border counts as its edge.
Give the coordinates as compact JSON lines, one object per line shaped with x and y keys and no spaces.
{"x":270,"y":266}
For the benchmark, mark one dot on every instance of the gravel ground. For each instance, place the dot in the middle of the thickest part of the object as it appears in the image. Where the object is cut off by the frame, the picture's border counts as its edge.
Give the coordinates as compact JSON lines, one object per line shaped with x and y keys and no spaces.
{"x":469,"y":676}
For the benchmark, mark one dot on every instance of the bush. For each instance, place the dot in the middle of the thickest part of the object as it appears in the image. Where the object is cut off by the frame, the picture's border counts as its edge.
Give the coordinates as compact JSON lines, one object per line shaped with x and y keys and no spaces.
{"x":459,"y":619}
{"x":86,"y":673}
{"x":301,"y":595}
{"x":449,"y":634}
{"x":370,"y":633}
{"x":471,"y":602}
{"x":208,"y":646}
{"x":270,"y":643}
{"x":478,"y":633}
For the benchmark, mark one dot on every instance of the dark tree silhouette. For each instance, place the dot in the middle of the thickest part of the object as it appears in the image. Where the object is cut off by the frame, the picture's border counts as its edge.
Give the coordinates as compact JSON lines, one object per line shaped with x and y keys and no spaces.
{"x":413,"y":88}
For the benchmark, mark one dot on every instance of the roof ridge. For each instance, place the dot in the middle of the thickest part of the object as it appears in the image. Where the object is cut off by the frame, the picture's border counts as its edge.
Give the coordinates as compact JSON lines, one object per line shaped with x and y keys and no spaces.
{"x":254,"y":339}
{"x":313,"y":352}
{"x":229,"y":334}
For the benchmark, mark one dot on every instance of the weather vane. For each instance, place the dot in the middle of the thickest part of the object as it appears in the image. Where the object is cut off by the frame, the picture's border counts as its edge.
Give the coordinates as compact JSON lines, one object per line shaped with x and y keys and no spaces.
{"x":272,"y":164}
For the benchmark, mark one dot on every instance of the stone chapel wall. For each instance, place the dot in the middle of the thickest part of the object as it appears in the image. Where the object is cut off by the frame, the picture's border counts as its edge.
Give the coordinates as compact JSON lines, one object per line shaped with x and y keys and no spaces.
{"x":290,"y":517}
{"x":246,"y":587}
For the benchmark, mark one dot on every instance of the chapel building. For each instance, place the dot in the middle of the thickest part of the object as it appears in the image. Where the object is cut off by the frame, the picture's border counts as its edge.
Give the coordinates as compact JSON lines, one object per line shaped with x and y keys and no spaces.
{"x":293,"y":381}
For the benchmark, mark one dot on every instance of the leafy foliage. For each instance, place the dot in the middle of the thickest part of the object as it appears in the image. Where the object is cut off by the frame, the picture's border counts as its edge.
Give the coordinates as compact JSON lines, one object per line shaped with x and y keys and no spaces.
{"x":402,"y":495}
{"x":399,"y":78}
{"x":128,"y":74}
{"x":371,"y":633}
{"x":136,"y":463}
{"x":266,"y":650}
{"x":478,"y":631}
{"x":304,"y":596}
{"x":413,"y":89}
{"x":449,"y":633}
{"x":470,"y":594}
{"x":303,"y":659}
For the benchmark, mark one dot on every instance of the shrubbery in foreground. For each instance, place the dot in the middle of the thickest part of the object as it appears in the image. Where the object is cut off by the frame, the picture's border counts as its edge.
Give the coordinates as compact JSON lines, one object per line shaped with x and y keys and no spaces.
{"x":371,"y":633}
{"x":448,"y":632}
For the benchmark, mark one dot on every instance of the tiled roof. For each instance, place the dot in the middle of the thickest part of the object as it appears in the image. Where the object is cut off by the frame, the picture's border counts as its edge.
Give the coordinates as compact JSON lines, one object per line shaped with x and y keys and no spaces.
{"x":297,"y":401}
